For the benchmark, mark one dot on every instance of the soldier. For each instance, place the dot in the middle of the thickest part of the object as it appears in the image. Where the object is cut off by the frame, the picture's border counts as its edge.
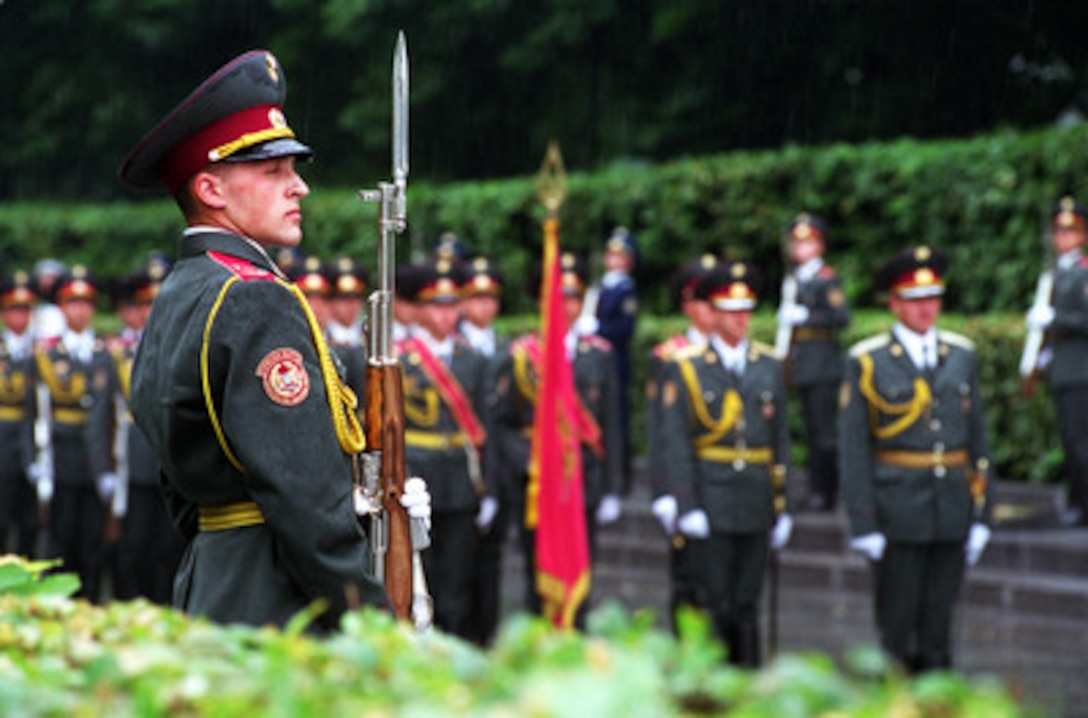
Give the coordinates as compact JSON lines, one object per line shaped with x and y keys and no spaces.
{"x":1065,"y":320}
{"x":481,"y":300}
{"x":148,"y":547}
{"x":314,"y":278}
{"x":445,"y":430}
{"x":915,"y":461}
{"x":726,"y":451}
{"x":345,"y":325}
{"x":602,"y":448}
{"x":617,"y":313}
{"x":234,"y":384}
{"x":18,"y":503}
{"x":73,"y":372}
{"x":404,"y":308}
{"x":815,"y":368}
{"x":685,"y":568}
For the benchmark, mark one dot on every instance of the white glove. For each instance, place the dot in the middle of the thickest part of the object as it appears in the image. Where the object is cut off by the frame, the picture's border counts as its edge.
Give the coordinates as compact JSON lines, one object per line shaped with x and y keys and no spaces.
{"x":976,"y":543}
{"x":119,"y":505}
{"x":489,"y":506}
{"x":586,"y":325}
{"x":608,"y":511}
{"x":417,"y":500}
{"x":694,"y":524}
{"x":780,"y":534}
{"x":1040,"y":317}
{"x":44,"y":485}
{"x":665,"y":509}
{"x":106,"y":484}
{"x":793,"y":314}
{"x":33,"y":473}
{"x":870,"y":544}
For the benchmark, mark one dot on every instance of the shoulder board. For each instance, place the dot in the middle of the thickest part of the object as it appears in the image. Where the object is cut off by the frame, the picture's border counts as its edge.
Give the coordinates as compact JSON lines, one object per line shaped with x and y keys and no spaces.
{"x":670,"y":346}
{"x":523,"y":342}
{"x":957,"y":340}
{"x":873,"y":343}
{"x":596,"y":341}
{"x":825,"y":272}
{"x":244,"y":270}
{"x":691,"y":351}
{"x":1083,"y":261}
{"x":759,"y":349}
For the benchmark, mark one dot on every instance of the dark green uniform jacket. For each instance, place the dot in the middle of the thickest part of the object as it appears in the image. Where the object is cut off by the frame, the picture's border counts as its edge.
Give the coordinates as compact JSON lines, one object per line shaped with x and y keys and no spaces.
{"x":910,"y":442}
{"x":815,"y":353}
{"x":224,"y":301}
{"x":725,"y":439}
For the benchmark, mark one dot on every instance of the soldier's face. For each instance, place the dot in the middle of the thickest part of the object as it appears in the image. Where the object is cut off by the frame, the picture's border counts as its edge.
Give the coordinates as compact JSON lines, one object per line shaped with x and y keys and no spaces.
{"x":918,"y":315}
{"x":78,"y":313}
{"x":732,"y":326}
{"x":802,"y":250}
{"x":345,"y":310}
{"x":262,"y":200}
{"x":700,"y":314}
{"x":17,"y":319}
{"x":481,"y":309}
{"x":440,"y":319}
{"x":1068,"y":239}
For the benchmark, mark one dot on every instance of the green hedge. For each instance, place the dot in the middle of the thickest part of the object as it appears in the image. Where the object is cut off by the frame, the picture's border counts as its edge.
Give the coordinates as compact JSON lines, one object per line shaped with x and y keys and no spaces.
{"x":60,"y":657}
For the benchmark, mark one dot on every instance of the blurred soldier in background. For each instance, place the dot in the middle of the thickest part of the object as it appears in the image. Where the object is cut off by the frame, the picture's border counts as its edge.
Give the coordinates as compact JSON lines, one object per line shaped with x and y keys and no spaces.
{"x":595,"y":381}
{"x":1065,"y":358}
{"x":616,"y":312}
{"x":446,"y":425}
{"x":74,"y":372}
{"x":18,"y":503}
{"x":314,"y":278}
{"x":685,"y":567}
{"x":47,"y":322}
{"x":148,"y":547}
{"x":915,"y":462}
{"x":345,"y":327}
{"x":816,"y":316}
{"x":724,"y":432}
{"x":481,"y":300}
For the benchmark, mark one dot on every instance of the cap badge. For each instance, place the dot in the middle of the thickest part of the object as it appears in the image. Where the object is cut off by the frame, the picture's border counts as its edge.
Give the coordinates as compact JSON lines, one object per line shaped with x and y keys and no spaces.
{"x":272,"y":66}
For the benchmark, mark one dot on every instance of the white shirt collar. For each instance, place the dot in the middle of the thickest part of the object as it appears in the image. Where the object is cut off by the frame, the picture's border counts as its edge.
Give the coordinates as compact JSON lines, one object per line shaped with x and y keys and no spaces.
{"x":809,"y":269}
{"x":734,"y":359}
{"x":696,"y":337}
{"x":916,"y":344}
{"x":482,"y":339}
{"x":80,"y":344}
{"x":441,"y":349}
{"x":1069,"y":259}
{"x":613,"y":277}
{"x":18,"y":344}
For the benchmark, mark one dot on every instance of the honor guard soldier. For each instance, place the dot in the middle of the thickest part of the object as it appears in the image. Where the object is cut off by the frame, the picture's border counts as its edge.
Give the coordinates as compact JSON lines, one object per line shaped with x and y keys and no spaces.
{"x":685,"y":568}
{"x":72,"y":374}
{"x":517,"y":386}
{"x":345,"y":327}
{"x":18,"y":502}
{"x":617,"y":313}
{"x":726,"y":450}
{"x":1065,"y":321}
{"x":914,"y":461}
{"x":816,"y":317}
{"x":148,"y":547}
{"x":481,"y":300}
{"x":314,"y":278}
{"x":445,"y":430}
{"x":234,"y":384}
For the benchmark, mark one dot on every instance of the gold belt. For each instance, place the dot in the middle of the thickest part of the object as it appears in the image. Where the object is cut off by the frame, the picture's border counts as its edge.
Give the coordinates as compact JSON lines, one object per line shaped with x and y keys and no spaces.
{"x":922,"y":459}
{"x":759,"y":455}
{"x":807,"y":334}
{"x":230,"y":516}
{"x":435,"y":440}
{"x":11,"y":413}
{"x":70,"y":416}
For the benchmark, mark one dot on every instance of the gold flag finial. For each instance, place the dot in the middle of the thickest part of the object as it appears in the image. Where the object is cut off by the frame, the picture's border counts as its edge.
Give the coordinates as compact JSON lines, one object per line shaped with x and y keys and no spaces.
{"x":551,"y":184}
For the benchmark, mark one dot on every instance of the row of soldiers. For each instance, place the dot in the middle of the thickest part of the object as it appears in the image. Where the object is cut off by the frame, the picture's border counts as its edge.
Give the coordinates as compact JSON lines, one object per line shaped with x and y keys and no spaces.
{"x":79,"y":480}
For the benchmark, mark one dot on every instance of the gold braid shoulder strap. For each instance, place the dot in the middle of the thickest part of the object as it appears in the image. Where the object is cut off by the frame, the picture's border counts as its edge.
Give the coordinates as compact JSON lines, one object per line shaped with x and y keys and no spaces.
{"x":732,"y":406}
{"x":76,"y":387}
{"x":908,"y":411}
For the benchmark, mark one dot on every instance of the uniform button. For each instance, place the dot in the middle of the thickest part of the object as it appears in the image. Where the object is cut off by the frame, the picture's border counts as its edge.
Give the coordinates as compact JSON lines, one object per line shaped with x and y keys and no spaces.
{"x":938,"y":447}
{"x":738,"y":464}
{"x":935,"y":425}
{"x":939,"y":472}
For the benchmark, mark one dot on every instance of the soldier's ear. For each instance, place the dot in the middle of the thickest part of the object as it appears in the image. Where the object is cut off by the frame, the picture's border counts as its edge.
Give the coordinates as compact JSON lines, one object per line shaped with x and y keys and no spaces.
{"x":208,"y":189}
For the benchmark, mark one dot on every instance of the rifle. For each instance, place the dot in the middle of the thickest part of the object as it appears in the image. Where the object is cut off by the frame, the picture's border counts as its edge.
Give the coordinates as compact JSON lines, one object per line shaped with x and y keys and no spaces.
{"x":784,"y":336}
{"x":43,"y":452}
{"x":119,"y":503}
{"x":396,"y":540}
{"x":1033,"y":344}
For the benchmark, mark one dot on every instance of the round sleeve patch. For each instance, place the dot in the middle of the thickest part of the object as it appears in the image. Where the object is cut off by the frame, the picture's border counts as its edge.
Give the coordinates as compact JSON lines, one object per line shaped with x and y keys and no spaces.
{"x":284,"y":375}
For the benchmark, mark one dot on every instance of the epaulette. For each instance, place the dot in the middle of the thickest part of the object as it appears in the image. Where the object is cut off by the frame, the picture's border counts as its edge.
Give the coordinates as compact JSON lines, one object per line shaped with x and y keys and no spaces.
{"x":825,"y":272}
{"x":692,"y":351}
{"x":523,"y":342}
{"x":759,"y":349}
{"x":241,"y":268}
{"x":670,"y":346}
{"x":957,"y":340}
{"x":596,"y":341}
{"x":1083,"y":261}
{"x":865,"y":346}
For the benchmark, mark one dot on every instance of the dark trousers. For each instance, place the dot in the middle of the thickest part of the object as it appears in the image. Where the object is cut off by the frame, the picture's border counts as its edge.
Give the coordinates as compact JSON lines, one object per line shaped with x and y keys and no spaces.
{"x":686,"y":574}
{"x":149,"y":549}
{"x":733,"y":569}
{"x":1071,"y":410}
{"x":450,"y":571}
{"x":18,"y":511}
{"x":819,"y":409}
{"x":916,"y":589}
{"x":77,"y":522}
{"x":487,"y":583}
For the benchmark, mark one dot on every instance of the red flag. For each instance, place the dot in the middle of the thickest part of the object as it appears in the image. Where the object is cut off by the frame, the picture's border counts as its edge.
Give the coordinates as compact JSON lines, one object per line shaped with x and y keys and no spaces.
{"x":554,"y":501}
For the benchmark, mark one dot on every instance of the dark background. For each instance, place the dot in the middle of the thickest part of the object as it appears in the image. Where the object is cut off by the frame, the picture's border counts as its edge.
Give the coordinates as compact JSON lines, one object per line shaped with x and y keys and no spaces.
{"x":638,"y":81}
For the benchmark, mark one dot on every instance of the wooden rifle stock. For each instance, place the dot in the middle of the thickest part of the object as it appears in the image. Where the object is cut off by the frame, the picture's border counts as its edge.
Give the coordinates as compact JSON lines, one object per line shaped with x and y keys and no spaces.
{"x":385,"y":434}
